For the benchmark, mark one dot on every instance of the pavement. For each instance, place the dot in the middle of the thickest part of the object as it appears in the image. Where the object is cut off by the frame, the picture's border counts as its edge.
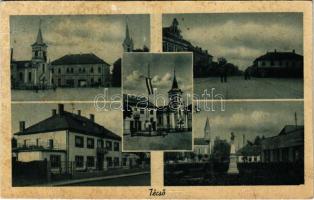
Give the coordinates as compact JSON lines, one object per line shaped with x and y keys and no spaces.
{"x":256,"y":88}
{"x":92,"y":179}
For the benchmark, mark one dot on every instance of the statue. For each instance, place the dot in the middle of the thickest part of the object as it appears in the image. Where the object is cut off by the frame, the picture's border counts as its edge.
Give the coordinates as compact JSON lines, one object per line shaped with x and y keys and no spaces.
{"x":233,"y":169}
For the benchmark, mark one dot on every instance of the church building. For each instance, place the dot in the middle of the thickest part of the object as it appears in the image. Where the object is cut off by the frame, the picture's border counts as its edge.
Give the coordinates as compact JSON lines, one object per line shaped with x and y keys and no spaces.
{"x":29,"y":74}
{"x":203,"y":145}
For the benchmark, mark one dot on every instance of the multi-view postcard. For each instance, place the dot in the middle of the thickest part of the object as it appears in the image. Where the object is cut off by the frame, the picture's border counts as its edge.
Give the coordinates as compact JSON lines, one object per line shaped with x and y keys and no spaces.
{"x":147,"y":100}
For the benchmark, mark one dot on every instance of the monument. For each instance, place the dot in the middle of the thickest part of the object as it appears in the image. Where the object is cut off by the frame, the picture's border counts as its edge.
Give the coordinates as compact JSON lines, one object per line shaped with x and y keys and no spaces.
{"x":233,"y":169}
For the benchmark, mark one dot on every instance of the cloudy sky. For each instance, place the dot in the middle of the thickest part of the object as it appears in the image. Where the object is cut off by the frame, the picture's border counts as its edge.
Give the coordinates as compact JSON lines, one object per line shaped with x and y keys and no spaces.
{"x":241,"y":37}
{"x":21,"y":112}
{"x":100,"y":34}
{"x":249,"y":118}
{"x":135,"y":66}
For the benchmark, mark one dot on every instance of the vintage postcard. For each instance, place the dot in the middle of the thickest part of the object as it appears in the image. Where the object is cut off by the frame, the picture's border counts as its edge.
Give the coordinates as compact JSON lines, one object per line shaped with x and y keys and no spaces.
{"x":156,"y":99}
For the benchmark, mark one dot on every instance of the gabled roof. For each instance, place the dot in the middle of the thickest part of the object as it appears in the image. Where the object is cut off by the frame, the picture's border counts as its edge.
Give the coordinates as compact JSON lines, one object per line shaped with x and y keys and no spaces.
{"x":137,"y":101}
{"x":250,"y":150}
{"x":201,"y":141}
{"x":290,"y":129}
{"x":76,"y":59}
{"x":22,"y":63}
{"x":71,"y":122}
{"x":280,"y":56}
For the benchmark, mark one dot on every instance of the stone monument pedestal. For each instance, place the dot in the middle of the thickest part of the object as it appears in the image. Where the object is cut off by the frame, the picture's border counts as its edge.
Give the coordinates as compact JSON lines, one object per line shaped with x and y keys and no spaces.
{"x":233,"y":168}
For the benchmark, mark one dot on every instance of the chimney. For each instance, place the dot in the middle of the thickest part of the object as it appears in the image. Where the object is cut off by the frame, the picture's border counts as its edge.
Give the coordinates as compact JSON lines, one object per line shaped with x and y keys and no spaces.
{"x":54,"y":112}
{"x":22,"y":126}
{"x":92,"y":117}
{"x":61,"y":108}
{"x":293,"y":50}
{"x":79,"y":112}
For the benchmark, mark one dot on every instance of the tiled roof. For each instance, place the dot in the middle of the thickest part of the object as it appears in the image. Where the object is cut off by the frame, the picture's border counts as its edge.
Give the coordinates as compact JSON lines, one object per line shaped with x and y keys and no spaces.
{"x":71,"y":122}
{"x":201,"y":141}
{"x":290,"y":129}
{"x":75,"y":59}
{"x":280,"y":56}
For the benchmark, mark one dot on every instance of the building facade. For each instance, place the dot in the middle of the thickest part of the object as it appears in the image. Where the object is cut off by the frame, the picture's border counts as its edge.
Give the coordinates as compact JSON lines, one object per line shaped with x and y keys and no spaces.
{"x":80,"y":70}
{"x":278,"y":64}
{"x":173,"y":41}
{"x":34,"y":73}
{"x":176,"y":116}
{"x":69,"y":142}
{"x":287,"y":146}
{"x":250,"y":153}
{"x":203,"y":145}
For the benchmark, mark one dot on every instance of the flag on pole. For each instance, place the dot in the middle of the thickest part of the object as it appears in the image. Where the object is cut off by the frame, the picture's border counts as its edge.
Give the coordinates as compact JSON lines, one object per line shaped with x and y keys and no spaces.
{"x":149,"y":86}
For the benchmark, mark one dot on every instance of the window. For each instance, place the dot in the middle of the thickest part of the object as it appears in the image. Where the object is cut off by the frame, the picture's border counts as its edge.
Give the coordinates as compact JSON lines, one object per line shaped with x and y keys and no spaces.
{"x":100,"y":143}
{"x":116,"y":161}
{"x":50,"y":143}
{"x":55,"y":161}
{"x":29,"y":76}
{"x":92,"y":70}
{"x":21,"y":76}
{"x":59,"y":71}
{"x":37,"y":141}
{"x":90,"y":161}
{"x":272,"y":63}
{"x":151,"y":112}
{"x":68,"y":70}
{"x":142,"y":111}
{"x":84,"y":70}
{"x":79,"y":141}
{"x":92,"y":80}
{"x":124,"y":161}
{"x":52,"y":81}
{"x":25,"y":141}
{"x":109,"y":145}
{"x":72,"y":70}
{"x":116,"y":146}
{"x":59,"y":81}
{"x":52,"y":71}
{"x":99,"y":70}
{"x":90,"y":143}
{"x":109,"y":161}
{"x":43,"y":68}
{"x":79,"y":161}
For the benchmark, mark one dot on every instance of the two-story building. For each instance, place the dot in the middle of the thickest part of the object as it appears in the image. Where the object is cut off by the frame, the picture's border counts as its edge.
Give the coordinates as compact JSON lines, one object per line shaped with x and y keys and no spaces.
{"x":69,"y":141}
{"x":80,"y":70}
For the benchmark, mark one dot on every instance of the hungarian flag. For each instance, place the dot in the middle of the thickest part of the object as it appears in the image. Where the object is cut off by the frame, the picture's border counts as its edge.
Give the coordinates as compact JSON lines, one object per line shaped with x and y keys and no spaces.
{"x":149,"y":86}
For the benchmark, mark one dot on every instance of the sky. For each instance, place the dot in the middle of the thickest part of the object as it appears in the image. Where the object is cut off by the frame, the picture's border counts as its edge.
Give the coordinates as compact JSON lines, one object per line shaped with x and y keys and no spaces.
{"x":249,"y":118}
{"x":39,"y":112}
{"x":135,"y":69}
{"x":102,"y":35}
{"x":241,"y":37}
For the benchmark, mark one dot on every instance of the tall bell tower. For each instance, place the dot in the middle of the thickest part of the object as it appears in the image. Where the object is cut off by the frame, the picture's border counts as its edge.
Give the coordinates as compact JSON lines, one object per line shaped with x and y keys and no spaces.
{"x":207,"y":136}
{"x":39,"y":48}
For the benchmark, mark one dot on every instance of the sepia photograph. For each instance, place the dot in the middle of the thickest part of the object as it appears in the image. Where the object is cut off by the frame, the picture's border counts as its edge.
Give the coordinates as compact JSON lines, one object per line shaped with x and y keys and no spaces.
{"x":249,"y":143}
{"x":72,"y":145}
{"x":241,"y":55}
{"x":72,"y":57}
{"x":157,"y":106}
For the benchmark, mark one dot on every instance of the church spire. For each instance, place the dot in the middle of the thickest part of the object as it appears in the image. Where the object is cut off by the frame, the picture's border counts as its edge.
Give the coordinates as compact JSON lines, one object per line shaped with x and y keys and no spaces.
{"x":39,"y":39}
{"x":207,"y":129}
{"x":174,"y":82}
{"x":128,"y":42}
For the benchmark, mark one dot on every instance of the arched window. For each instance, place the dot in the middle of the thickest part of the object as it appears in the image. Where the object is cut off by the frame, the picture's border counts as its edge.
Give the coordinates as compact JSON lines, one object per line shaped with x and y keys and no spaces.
{"x":21,"y":76}
{"x":29,"y":76}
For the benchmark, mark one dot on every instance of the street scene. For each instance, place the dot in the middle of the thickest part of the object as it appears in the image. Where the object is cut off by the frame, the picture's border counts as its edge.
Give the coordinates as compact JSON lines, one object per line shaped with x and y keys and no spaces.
{"x":72,"y":144}
{"x":237,"y":57}
{"x":72,"y":57}
{"x":250,"y":143}
{"x":157,"y":108}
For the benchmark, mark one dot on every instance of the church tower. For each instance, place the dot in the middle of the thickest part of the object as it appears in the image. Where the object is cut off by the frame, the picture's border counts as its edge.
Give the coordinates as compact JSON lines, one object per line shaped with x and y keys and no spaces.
{"x":128,"y":45}
{"x":207,"y":136}
{"x":175,"y":93}
{"x":39,"y":49}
